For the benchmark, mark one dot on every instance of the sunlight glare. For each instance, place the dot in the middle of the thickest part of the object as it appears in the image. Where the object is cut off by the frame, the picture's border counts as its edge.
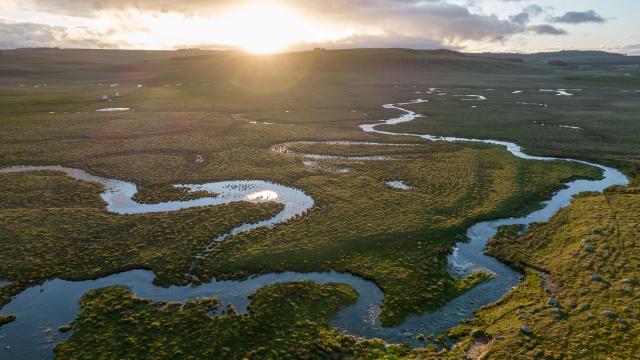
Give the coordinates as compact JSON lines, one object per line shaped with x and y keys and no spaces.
{"x":265,"y":28}
{"x":258,"y":27}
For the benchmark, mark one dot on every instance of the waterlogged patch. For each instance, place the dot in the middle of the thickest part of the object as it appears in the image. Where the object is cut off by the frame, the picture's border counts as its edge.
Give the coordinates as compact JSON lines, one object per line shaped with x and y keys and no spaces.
{"x":561,"y":92}
{"x":36,"y":304}
{"x":472,"y":97}
{"x":113,"y":109}
{"x":322,"y":161}
{"x":312,"y":164}
{"x":570,"y":127}
{"x":560,"y":126}
{"x":397,"y":184}
{"x":533,"y":104}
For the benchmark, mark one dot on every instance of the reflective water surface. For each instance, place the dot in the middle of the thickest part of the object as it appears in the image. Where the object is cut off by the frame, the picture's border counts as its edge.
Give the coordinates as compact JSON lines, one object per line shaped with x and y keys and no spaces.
{"x":397,"y":184}
{"x":113,"y":109}
{"x":119,"y":194}
{"x":469,"y":256}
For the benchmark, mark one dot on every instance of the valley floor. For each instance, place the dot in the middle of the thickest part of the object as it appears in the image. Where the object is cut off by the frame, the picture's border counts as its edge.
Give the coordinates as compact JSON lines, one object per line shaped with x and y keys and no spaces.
{"x":221,"y":118}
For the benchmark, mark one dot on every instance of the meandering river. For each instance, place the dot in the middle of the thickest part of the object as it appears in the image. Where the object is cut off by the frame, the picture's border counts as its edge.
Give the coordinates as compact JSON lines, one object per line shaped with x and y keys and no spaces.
{"x":41,"y":309}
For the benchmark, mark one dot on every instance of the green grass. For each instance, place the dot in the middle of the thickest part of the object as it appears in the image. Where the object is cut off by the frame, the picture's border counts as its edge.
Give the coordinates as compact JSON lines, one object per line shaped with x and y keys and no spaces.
{"x":363,"y":227}
{"x":60,"y":229}
{"x":155,"y":193}
{"x":606,"y":115}
{"x":285,"y":321}
{"x":44,"y":233}
{"x":560,"y":265}
{"x":6,"y":319}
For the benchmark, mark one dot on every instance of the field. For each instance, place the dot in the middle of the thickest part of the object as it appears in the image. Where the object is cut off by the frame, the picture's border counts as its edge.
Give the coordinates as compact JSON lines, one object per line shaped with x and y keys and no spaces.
{"x":597,"y":122}
{"x":580,"y":296}
{"x":213,"y":117}
{"x":300,"y":308}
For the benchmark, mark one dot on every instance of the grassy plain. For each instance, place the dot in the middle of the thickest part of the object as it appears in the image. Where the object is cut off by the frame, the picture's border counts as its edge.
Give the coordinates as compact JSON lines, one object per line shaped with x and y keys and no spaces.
{"x":53,"y":226}
{"x":204,"y":107}
{"x":350,"y":229}
{"x":155,"y":193}
{"x":605,"y":110}
{"x":285,"y":321}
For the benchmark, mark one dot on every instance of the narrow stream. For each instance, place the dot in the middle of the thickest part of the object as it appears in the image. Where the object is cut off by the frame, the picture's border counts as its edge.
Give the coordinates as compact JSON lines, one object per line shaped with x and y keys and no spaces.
{"x":119,"y":194}
{"x":41,"y":309}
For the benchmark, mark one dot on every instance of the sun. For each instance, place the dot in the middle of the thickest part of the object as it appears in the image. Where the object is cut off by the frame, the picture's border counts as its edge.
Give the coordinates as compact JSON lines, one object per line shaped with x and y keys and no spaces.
{"x":264,"y":28}
{"x":255,"y":26}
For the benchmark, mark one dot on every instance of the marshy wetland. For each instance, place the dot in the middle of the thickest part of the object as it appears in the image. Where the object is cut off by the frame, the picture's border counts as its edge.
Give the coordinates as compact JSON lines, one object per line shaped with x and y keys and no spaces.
{"x":395,"y":247}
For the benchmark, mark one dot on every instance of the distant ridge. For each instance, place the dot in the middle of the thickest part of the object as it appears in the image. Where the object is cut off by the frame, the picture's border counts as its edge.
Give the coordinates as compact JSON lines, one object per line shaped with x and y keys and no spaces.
{"x":208,"y":54}
{"x":568,"y":57}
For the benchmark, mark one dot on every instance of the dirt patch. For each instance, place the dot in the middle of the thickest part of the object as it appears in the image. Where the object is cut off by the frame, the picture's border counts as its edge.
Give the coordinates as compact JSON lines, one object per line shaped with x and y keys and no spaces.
{"x":551,"y":284}
{"x":480,"y":348}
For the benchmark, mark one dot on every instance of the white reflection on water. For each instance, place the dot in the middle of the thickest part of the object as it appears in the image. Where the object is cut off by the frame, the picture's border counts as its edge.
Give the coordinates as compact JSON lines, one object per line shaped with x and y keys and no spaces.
{"x":113,"y":109}
{"x":264,"y":195}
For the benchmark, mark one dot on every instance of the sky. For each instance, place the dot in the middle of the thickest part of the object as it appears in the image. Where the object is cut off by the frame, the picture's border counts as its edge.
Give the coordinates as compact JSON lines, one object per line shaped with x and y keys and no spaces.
{"x":267,"y":26}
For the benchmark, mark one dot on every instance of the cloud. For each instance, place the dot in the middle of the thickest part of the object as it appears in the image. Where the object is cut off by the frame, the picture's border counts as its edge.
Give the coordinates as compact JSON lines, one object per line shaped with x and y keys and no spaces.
{"x":524,"y":17}
{"x":15,"y":35}
{"x":580,"y":17}
{"x":427,"y":18}
{"x":363,"y":23}
{"x":437,"y":20}
{"x":633,"y":49}
{"x":89,"y":8}
{"x":421,"y":21}
{"x":378,"y":41}
{"x":545,"y":29}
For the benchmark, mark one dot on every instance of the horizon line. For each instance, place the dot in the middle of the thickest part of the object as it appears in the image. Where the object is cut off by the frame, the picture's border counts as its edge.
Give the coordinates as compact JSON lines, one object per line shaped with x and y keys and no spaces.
{"x":316,"y":49}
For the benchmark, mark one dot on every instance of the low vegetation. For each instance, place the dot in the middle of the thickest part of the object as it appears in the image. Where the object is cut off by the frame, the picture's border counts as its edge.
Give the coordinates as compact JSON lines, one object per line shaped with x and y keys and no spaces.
{"x":284,"y":321}
{"x":539,"y":129}
{"x":350,"y":229}
{"x":6,"y":319}
{"x":580,"y":295}
{"x":156,"y":193}
{"x":362,"y":227}
{"x":48,"y":235}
